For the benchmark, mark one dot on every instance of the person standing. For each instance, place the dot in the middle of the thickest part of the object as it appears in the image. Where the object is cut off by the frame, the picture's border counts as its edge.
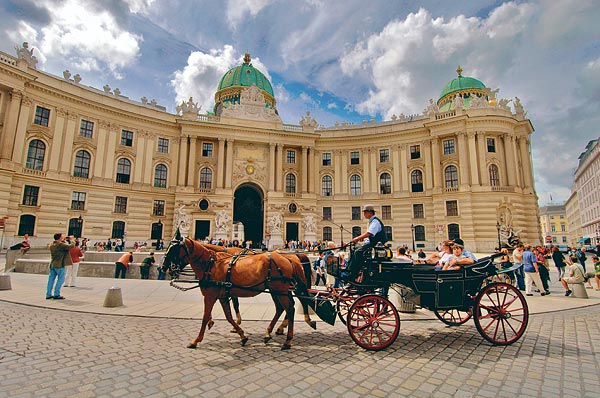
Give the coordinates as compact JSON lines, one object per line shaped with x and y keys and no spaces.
{"x":146,"y":264}
{"x":59,"y":257}
{"x":542,"y":269}
{"x":530,"y":268}
{"x":375,"y":234}
{"x":559,"y":262}
{"x":518,"y":261}
{"x":122,"y":264}
{"x":71,"y":270}
{"x":320,"y":269}
{"x":580,"y":253}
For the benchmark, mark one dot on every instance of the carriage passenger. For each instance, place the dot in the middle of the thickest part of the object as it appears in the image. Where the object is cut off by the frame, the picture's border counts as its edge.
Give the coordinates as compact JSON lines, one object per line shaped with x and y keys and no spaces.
{"x":460,"y":256}
{"x":439,"y":259}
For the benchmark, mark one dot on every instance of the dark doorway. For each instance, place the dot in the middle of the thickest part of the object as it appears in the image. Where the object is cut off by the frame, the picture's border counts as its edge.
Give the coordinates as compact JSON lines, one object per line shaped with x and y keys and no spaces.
{"x":291,"y":231}
{"x":202,"y":229}
{"x":248,"y":209}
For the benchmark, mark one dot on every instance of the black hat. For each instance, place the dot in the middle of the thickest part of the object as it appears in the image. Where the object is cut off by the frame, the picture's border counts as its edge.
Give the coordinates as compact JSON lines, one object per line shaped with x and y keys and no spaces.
{"x":459,"y":242}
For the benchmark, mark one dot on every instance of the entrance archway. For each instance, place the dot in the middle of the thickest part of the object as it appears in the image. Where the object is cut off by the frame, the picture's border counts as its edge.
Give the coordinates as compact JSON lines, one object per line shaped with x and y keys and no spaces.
{"x":248,"y":209}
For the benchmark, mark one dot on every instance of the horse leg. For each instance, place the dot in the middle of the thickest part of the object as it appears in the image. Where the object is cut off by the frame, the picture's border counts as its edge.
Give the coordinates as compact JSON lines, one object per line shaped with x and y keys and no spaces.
{"x":227,"y":310}
{"x":282,"y":326}
{"x":278,"y":311}
{"x":307,"y":319}
{"x":238,"y":316}
{"x":209,"y":302}
{"x":287,"y":302}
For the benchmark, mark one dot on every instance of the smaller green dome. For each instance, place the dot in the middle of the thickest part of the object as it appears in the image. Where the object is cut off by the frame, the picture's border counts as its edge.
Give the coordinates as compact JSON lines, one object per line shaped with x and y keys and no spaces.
{"x":464,"y":86}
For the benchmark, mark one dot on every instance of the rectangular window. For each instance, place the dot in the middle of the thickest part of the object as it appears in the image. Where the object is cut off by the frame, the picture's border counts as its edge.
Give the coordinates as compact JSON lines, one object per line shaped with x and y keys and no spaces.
{"x":563,"y":228}
{"x":389,"y":232}
{"x":86,"y":128}
{"x":418,"y":211}
{"x":354,"y":158}
{"x":290,"y":156}
{"x":553,"y":228}
{"x":491,"y":145}
{"x":386,"y":213}
{"x":327,"y":233}
{"x":30,"y":195}
{"x":451,"y":208}
{"x":327,"y":213}
{"x":42,"y":116}
{"x":163,"y":145}
{"x":564,"y":239}
{"x":356,"y":212}
{"x":415,"y":151}
{"x":158,"y":209}
{"x":448,"y":147}
{"x":207,"y":149}
{"x":78,"y":201}
{"x":384,"y":155}
{"x":121,"y":204}
{"x":126,"y":138}
{"x":327,"y":159}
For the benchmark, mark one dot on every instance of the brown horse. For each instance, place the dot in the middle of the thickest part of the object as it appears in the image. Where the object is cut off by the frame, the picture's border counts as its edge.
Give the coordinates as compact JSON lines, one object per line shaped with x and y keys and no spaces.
{"x":304,"y":262}
{"x":248,"y":277}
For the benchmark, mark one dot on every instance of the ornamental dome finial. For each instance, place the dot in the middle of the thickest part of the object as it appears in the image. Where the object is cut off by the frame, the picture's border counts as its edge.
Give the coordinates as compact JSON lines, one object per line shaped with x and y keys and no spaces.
{"x":459,"y":70}
{"x":247,"y":59}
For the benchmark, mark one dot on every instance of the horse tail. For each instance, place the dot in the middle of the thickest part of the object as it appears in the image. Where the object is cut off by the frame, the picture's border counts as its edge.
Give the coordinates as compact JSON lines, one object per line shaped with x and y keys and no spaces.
{"x":299,"y":274}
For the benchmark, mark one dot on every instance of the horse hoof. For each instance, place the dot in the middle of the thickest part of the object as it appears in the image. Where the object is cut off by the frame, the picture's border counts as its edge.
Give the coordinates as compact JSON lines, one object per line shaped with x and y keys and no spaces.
{"x":285,"y":347}
{"x":313,"y":324}
{"x":267,"y":339}
{"x":244,"y":341}
{"x":192,"y":345}
{"x":233,"y":331}
{"x":279,"y":332}
{"x":211,"y":323}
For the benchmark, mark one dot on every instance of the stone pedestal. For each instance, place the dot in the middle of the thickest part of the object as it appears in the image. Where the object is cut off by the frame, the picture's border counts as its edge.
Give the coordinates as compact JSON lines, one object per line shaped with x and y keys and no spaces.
{"x":579,"y":291}
{"x":113,"y":297}
{"x":310,"y":236}
{"x":276,"y":241}
{"x":5,"y":282}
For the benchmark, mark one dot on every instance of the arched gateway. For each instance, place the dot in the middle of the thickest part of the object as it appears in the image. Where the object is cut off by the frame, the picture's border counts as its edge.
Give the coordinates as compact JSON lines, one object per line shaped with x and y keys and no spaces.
{"x":248,"y":209}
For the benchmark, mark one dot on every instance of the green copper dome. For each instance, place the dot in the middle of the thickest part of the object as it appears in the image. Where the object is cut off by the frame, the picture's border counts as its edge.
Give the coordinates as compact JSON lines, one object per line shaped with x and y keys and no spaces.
{"x":238,"y":78}
{"x":464,"y":86}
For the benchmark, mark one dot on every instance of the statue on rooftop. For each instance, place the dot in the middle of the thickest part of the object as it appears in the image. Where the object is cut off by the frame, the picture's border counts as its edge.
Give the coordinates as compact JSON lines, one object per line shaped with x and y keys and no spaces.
{"x":26,"y":54}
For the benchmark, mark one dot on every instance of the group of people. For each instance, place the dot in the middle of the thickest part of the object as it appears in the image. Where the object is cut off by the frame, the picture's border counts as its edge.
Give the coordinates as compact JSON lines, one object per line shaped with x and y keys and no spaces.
{"x":65,"y":256}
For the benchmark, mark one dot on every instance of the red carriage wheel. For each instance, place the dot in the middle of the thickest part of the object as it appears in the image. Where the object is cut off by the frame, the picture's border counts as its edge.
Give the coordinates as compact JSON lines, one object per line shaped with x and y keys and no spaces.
{"x":373,"y":322}
{"x":343,"y":306}
{"x":453,"y":317}
{"x":501,"y":313}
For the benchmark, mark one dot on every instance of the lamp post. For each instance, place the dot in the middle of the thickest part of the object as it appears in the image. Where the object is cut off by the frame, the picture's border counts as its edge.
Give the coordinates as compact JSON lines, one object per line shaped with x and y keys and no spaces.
{"x":79,"y":226}
{"x":498,"y":229}
{"x":341,"y":235}
{"x":412,"y":233}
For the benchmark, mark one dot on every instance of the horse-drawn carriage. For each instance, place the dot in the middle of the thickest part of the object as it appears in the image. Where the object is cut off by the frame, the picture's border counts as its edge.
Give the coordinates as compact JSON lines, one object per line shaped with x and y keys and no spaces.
{"x":499,"y":310}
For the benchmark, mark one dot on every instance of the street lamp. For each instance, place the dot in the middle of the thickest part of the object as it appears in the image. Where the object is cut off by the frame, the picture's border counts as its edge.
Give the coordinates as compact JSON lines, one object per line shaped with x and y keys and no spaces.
{"x":412,"y":233}
{"x":498,"y":229}
{"x":79,"y":226}
{"x":341,"y":235}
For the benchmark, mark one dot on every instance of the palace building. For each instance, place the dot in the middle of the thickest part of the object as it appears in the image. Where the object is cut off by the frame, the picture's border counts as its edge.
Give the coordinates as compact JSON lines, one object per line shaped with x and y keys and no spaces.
{"x":94,"y":163}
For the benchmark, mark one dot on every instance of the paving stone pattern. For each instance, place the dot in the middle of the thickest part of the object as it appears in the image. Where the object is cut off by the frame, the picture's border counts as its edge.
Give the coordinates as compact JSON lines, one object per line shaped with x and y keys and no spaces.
{"x":53,"y":353}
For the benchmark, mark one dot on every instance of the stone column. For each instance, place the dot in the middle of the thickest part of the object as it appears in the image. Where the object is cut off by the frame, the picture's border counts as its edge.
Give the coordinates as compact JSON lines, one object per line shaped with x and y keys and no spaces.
{"x":9,"y":131}
{"x":338,"y":173}
{"x":405,"y":180}
{"x":140,"y":146}
{"x":481,"y":146}
{"x":304,"y":169}
{"x":148,"y":169}
{"x":427,"y":175}
{"x":473,"y":159}
{"x":183,"y":145}
{"x":509,"y":159}
{"x":344,"y":189}
{"x":173,"y":171}
{"x":22,"y":123}
{"x":396,"y":168}
{"x":70,"y":132}
{"x":101,"y":158}
{"x":435,"y":159}
{"x":191,"y":171}
{"x":111,"y":149}
{"x":279,"y":169}
{"x":56,"y":150}
{"x":526,"y":162}
{"x":220,"y":174}
{"x":229,"y":164}
{"x":312,"y":170}
{"x":463,"y":169}
{"x":272,"y":167}
{"x":373,"y":177}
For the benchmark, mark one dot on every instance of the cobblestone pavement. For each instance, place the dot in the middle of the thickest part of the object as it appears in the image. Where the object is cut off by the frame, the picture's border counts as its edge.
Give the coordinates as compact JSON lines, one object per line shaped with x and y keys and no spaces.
{"x":54,"y":353}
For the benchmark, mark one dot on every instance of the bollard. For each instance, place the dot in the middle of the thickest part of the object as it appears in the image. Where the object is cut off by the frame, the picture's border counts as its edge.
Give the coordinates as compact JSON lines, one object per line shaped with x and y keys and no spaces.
{"x":5,"y":282}
{"x":579,"y":291}
{"x":113,"y":297}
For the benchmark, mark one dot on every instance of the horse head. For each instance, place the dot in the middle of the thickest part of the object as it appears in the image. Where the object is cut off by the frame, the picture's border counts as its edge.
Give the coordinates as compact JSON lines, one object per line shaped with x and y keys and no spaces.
{"x":176,"y":257}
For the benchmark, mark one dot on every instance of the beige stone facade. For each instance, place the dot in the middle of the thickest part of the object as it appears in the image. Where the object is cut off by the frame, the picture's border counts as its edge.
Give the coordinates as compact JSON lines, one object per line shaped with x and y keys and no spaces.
{"x":465,"y":172}
{"x":555,"y":224}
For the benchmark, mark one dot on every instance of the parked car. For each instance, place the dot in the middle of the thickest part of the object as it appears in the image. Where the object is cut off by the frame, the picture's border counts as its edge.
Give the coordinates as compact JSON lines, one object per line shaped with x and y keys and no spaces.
{"x":563,"y":248}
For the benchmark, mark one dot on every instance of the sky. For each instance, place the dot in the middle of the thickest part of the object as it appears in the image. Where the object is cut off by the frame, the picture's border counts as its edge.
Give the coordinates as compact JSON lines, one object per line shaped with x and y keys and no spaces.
{"x":339,"y":59}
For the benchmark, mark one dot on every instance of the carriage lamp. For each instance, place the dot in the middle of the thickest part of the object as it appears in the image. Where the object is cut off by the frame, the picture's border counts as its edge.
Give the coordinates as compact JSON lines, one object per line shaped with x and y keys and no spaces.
{"x":412,"y":233}
{"x":498,"y":229}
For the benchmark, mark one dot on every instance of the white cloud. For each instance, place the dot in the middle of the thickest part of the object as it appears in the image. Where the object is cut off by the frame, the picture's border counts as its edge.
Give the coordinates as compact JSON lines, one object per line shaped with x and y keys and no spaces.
{"x":332,"y":105}
{"x":89,"y":39}
{"x":139,"y":6}
{"x":199,"y":78}
{"x":238,"y":9}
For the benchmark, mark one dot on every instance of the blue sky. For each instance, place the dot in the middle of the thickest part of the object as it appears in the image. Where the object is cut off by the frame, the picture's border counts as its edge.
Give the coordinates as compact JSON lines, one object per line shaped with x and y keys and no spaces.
{"x":339,"y":59}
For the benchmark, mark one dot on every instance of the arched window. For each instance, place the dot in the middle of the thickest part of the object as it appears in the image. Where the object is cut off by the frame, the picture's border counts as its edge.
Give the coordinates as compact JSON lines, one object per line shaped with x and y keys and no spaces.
{"x":327,"y":233}
{"x":82,"y":164}
{"x":290,"y":183}
{"x":385,"y":184}
{"x":26,"y":225}
{"x":453,"y":231}
{"x":451,"y":176}
{"x":416,"y":181}
{"x":419,"y":233}
{"x":494,"y":176}
{"x":326,"y":185}
{"x":205,"y":178}
{"x":356,"y":231}
{"x":123,"y":170}
{"x":355,"y":188}
{"x":160,"y":176}
{"x":75,"y":227}
{"x":118,"y":230}
{"x":35,"y":155}
{"x":157,"y":231}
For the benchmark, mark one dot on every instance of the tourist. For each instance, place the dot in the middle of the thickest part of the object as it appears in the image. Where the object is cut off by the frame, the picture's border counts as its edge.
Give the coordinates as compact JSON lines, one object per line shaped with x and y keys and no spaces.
{"x":596,"y":270}
{"x":559,"y":261}
{"x":122,"y":265}
{"x":71,"y":270}
{"x":531,"y":270}
{"x":574,"y":274}
{"x":145,"y":266}
{"x":59,"y":257}
{"x":517,"y":256}
{"x":460,"y":256}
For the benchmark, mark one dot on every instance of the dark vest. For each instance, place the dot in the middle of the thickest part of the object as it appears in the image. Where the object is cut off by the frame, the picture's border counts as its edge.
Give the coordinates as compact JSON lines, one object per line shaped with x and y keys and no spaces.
{"x":379,"y":236}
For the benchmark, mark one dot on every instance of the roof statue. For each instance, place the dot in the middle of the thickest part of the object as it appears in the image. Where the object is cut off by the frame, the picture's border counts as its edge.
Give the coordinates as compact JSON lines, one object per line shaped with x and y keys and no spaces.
{"x":251,"y":106}
{"x":189,"y":110}
{"x":518,"y":106}
{"x":26,"y":54}
{"x":308,"y":121}
{"x":459,"y":102}
{"x":431,"y":109}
